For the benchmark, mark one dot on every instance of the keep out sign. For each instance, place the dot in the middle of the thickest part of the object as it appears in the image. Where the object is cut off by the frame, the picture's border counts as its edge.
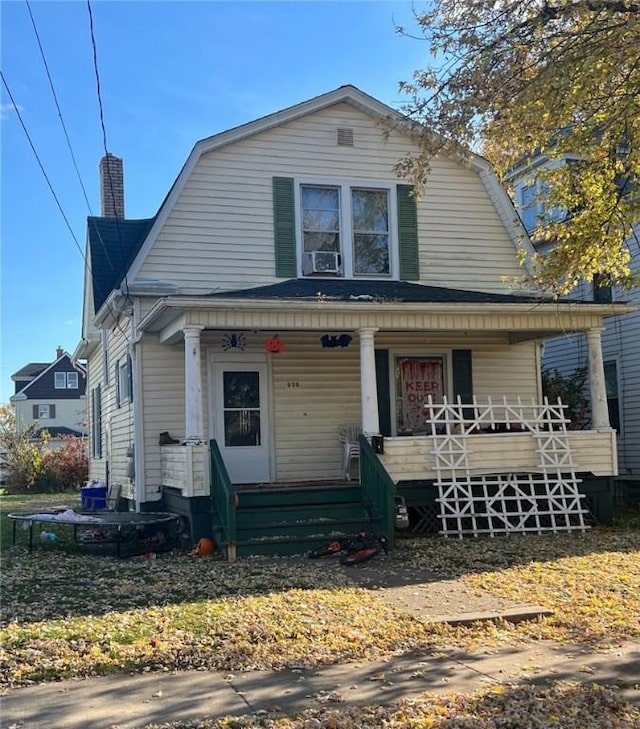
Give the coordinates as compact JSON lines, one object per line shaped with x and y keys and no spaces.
{"x":419,"y":378}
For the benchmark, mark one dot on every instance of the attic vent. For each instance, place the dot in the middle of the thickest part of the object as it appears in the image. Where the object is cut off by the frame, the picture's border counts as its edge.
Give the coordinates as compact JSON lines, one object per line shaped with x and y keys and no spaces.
{"x":345,"y":137}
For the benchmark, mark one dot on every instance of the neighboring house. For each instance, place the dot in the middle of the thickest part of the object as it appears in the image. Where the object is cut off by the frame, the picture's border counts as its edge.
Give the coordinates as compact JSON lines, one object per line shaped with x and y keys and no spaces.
{"x":620,"y":336}
{"x":51,"y":395}
{"x":291,"y":284}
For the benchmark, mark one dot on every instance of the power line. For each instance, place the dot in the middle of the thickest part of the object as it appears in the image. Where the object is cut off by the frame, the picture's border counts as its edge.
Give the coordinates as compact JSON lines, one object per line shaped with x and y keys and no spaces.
{"x":42,"y":169}
{"x":66,"y":134}
{"x":55,"y":98}
{"x":55,"y":197}
{"x":108,"y":167}
{"x":104,"y":136}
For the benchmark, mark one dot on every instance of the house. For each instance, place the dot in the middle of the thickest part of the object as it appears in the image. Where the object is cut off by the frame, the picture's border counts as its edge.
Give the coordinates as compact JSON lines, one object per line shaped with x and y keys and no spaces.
{"x":620,"y":336}
{"x":291,"y":284}
{"x":51,"y":395}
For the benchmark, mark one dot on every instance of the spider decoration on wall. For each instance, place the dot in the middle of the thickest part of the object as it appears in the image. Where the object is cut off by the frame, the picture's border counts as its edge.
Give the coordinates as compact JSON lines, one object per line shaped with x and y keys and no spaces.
{"x":234,"y":341}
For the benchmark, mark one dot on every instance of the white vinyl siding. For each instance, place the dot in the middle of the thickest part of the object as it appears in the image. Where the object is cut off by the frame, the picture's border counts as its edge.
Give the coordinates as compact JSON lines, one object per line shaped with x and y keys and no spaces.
{"x":117,"y":422}
{"x":223,"y":219}
{"x":163,"y":406}
{"x":67,"y":413}
{"x":315,"y":391}
{"x":408,"y":459}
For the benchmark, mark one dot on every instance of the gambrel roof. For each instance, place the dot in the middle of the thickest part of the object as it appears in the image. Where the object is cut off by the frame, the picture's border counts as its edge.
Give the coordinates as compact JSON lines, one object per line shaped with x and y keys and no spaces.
{"x":132,"y":240}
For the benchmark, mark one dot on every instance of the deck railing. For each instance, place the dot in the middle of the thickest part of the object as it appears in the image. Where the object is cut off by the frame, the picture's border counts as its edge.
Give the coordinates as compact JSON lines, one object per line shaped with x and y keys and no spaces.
{"x":224,"y":499}
{"x":378,"y":489}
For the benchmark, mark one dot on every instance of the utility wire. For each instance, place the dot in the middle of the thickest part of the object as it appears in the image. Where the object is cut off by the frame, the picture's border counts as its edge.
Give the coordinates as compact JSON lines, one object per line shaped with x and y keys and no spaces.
{"x":42,"y":169}
{"x":55,"y":98}
{"x":104,"y":135}
{"x":66,"y":134}
{"x":115,"y":212}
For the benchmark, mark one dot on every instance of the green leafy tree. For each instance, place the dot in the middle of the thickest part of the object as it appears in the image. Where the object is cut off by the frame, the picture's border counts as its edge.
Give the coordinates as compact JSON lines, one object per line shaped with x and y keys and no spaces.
{"x":522,"y":78}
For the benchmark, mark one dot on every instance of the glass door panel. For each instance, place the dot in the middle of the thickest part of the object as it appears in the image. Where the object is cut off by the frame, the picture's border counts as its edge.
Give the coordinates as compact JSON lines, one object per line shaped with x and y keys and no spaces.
{"x":241,"y":403}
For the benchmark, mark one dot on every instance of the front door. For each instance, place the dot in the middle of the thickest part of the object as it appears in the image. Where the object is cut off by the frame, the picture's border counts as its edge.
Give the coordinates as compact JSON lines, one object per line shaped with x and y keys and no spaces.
{"x":241,"y":418}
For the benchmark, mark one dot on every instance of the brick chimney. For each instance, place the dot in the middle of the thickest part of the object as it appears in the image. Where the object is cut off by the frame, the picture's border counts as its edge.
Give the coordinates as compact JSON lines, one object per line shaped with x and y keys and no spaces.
{"x":59,"y":352}
{"x":112,"y":186}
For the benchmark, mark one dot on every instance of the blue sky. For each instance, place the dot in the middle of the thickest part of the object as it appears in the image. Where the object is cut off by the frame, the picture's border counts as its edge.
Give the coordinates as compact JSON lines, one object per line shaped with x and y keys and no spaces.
{"x":171,"y":73}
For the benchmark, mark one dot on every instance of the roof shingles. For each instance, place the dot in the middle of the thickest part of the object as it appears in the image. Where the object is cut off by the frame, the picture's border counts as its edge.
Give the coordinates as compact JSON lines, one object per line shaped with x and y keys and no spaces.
{"x":380,"y":291}
{"x":113,"y":244}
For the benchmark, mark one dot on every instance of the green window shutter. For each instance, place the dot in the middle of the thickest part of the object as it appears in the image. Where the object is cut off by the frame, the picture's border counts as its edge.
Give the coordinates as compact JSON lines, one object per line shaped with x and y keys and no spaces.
{"x":461,"y":365}
{"x":408,"y":233}
{"x":284,"y":227}
{"x":384,"y":396}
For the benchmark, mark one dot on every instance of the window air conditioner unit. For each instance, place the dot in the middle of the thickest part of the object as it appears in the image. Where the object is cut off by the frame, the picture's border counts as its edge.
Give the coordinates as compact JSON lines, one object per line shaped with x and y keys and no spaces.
{"x":323,"y":262}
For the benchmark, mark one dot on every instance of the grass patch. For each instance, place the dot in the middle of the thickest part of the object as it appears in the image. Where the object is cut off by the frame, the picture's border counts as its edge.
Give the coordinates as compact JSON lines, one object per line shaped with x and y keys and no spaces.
{"x":66,"y":614}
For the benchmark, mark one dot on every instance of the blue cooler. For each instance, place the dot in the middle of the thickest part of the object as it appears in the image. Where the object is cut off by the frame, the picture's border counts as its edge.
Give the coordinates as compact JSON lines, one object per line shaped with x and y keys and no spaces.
{"x":94,"y":496}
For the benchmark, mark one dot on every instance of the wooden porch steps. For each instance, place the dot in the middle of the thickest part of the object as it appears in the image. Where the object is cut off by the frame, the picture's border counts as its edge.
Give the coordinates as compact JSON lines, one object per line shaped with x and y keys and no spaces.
{"x":294,"y":520}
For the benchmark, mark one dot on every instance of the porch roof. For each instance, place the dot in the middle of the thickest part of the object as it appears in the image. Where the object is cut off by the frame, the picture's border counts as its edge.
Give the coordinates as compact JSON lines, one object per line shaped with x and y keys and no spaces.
{"x":323,"y":304}
{"x":339,"y":289}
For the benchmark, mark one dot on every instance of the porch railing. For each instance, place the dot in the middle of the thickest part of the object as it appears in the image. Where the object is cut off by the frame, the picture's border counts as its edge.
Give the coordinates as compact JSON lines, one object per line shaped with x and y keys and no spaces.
{"x":379,"y":489}
{"x":224,"y":499}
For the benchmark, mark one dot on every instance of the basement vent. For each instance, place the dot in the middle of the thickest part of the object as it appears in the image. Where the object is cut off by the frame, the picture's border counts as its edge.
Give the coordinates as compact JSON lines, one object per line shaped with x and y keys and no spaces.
{"x":345,"y":137}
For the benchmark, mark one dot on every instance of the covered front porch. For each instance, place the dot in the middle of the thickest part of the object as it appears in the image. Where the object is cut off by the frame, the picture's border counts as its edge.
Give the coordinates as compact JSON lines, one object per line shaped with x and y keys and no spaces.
{"x":309,"y":367}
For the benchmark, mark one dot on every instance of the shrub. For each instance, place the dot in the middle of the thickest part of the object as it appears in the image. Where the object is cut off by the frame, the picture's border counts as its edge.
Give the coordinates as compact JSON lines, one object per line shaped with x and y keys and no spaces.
{"x":67,"y":467}
{"x":571,"y":389}
{"x":29,"y":465}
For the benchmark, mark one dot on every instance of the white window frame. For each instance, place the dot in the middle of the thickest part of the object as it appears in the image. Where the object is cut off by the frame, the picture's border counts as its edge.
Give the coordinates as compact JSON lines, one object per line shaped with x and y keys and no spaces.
{"x":60,"y":377}
{"x":96,"y":422}
{"x":104,"y":341}
{"x":70,"y":380}
{"x":124,"y":393}
{"x":345,"y":187}
{"x":44,"y":412}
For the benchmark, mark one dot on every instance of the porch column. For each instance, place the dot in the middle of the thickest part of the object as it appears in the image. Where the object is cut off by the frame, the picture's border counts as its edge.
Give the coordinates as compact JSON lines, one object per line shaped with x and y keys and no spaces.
{"x":597,"y":385}
{"x":194,"y":424}
{"x":368,"y":388}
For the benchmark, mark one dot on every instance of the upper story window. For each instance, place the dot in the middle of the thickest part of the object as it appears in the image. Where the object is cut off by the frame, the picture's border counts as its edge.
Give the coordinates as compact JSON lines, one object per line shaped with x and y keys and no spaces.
{"x":345,"y":228}
{"x":66,"y":380}
{"x":346,"y":231}
{"x":532,"y":203}
{"x":528,"y":207}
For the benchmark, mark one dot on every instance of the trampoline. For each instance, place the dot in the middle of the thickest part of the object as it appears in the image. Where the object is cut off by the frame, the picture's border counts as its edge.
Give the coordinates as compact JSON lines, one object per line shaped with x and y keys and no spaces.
{"x":137,"y":531}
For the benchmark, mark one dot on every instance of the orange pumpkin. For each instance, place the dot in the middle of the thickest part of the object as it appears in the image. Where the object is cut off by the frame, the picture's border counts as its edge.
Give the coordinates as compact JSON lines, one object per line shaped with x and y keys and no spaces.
{"x":274,"y":345}
{"x":203,"y":548}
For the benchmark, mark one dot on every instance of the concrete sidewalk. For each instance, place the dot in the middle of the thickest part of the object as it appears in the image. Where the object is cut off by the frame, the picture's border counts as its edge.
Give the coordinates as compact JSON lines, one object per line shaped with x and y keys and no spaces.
{"x":132,"y":701}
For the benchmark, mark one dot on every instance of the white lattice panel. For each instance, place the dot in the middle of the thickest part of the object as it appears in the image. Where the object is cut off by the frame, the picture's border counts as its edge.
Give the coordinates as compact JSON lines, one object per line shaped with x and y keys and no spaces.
{"x":504,"y":502}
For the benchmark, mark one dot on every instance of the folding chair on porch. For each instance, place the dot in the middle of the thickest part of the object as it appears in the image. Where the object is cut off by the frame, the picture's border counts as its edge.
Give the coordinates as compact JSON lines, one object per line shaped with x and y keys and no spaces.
{"x":349,"y":436}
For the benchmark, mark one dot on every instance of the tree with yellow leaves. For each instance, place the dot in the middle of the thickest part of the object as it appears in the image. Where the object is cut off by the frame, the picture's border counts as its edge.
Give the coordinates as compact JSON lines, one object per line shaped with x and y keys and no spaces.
{"x":525,"y":79}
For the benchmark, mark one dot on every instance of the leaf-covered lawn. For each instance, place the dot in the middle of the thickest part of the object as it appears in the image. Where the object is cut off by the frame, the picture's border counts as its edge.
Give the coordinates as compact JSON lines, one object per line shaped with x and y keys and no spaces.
{"x":65,"y":615}
{"x":562,"y":705}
